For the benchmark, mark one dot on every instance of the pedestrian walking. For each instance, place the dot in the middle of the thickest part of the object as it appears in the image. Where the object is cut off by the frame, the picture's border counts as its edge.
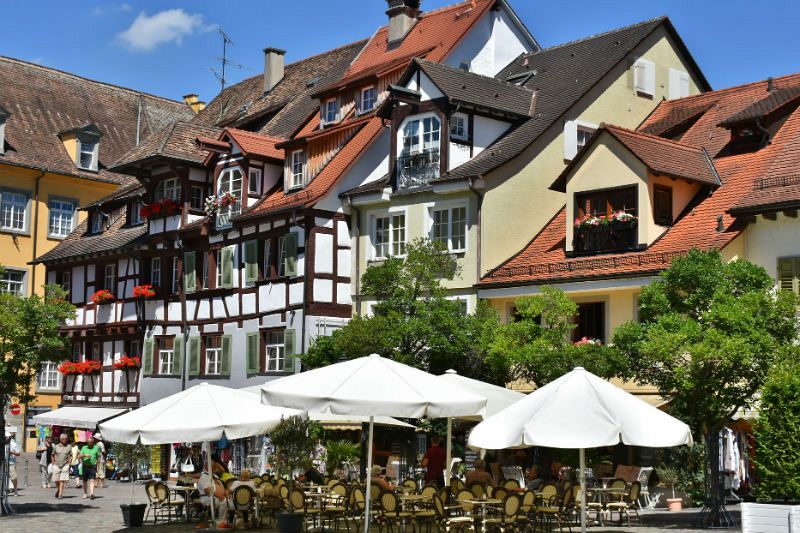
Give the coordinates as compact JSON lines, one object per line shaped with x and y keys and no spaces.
{"x":75,"y":463}
{"x":90,"y":454}
{"x":45,"y":455}
{"x":62,"y":455}
{"x":13,"y":453}
{"x":101,"y":461}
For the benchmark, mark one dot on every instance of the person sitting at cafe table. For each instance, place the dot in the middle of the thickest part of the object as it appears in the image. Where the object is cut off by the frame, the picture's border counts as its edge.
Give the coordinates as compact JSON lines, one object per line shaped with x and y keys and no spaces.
{"x":378,"y":480}
{"x":244,"y":479}
{"x":208,"y":486}
{"x":533,"y":478}
{"x":311,"y":475}
{"x":479,"y":475}
{"x":224,"y":474}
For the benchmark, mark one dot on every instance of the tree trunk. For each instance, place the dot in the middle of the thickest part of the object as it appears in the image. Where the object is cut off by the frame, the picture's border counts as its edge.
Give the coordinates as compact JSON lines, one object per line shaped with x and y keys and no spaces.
{"x":5,"y":506}
{"x":714,"y":513}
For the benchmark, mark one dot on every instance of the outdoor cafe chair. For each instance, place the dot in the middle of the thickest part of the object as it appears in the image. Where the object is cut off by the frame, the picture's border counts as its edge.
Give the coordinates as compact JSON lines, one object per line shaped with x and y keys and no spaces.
{"x":428,"y":491}
{"x":628,"y":503}
{"x":444,"y":494}
{"x":548,"y":492}
{"x":334,"y":505}
{"x":167,"y":503}
{"x":477,"y":489}
{"x":511,"y":484}
{"x":464,"y":498}
{"x":527,"y":508}
{"x":557,"y":510}
{"x":456,"y":485}
{"x":257,"y":481}
{"x":499,"y":493}
{"x":243,"y":500}
{"x":410,"y":484}
{"x":509,"y":517}
{"x":446,"y":522}
{"x":390,"y":514}
{"x":591,"y":505}
{"x":374,"y":492}
{"x":150,"y":491}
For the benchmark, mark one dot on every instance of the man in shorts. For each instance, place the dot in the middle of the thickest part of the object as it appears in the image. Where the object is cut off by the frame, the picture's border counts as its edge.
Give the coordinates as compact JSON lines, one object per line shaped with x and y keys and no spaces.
{"x":90,"y":454}
{"x":13,"y":453}
{"x":101,"y":461}
{"x":62,"y":453}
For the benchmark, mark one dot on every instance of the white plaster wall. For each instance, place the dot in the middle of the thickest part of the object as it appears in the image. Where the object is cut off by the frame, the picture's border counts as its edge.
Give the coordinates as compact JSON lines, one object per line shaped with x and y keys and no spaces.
{"x":78,"y":290}
{"x":344,"y":263}
{"x":768,"y":240}
{"x":270,"y":176}
{"x":323,"y":254}
{"x":296,"y":293}
{"x":458,"y":155}
{"x":248,"y":304}
{"x":323,"y":290}
{"x":343,"y":294}
{"x":272,"y":297}
{"x":232,"y":302}
{"x":342,"y":233}
{"x":129,"y":312}
{"x":428,"y":89}
{"x":486,"y":131}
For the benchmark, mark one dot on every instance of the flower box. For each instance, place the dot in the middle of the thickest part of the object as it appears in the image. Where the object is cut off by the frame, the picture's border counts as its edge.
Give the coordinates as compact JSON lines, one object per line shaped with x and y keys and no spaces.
{"x":586,"y":341}
{"x":163,"y":208}
{"x":103,"y":296}
{"x":127,"y":363}
{"x":144,"y":291}
{"x":215,"y":203}
{"x":68,"y":368}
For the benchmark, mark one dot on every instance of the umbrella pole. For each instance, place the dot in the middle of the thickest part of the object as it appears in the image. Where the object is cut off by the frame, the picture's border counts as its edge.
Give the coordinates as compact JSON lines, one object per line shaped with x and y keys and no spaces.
{"x":582,"y":461}
{"x":449,"y":451}
{"x":213,"y":523}
{"x":368,"y":497}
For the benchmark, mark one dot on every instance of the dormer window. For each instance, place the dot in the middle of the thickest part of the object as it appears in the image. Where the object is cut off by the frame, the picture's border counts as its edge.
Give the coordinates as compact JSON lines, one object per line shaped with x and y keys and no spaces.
{"x":230,"y":182}
{"x":3,"y":117}
{"x":368,"y":99}
{"x":418,"y":162}
{"x":297,"y":169}
{"x":584,"y":134}
{"x":169,"y":188}
{"x":87,"y":156}
{"x":97,"y":222}
{"x":330,"y":111}
{"x":459,"y":128}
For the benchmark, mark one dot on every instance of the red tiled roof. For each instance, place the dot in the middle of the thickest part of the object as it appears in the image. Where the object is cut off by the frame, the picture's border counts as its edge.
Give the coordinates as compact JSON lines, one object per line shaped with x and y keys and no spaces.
{"x":255,"y":144}
{"x":543,"y":259}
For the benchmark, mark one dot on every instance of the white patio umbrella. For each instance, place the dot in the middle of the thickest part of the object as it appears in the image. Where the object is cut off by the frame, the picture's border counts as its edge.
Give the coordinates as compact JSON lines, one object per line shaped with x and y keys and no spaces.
{"x":372,"y":386}
{"x":580,"y":410}
{"x":202,"y":413}
{"x":497,"y":399}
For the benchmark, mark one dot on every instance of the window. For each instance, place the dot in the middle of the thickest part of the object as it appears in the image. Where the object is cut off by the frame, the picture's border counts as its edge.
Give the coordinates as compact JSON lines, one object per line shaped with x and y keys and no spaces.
{"x":458,"y":127}
{"x":48,"y":376}
{"x":268,"y":259}
{"x":368,"y":99}
{"x":230,"y":182}
{"x":109,"y":277}
{"x":77,"y":352}
{"x":166,"y":355}
{"x":134,"y":349}
{"x":426,"y":136}
{"x":789,"y":274}
{"x":254,"y":181}
{"x":62,"y":215}
{"x":175,"y":275}
{"x":88,"y":155}
{"x":13,"y":207}
{"x":196,"y":201}
{"x":64,"y":280}
{"x":213,"y":355}
{"x":282,"y":256}
{"x":204,"y":279}
{"x":218,"y":268}
{"x":155,"y":272}
{"x":95,"y":354}
{"x":135,"y":217}
{"x":298,"y":169}
{"x":274,"y":351}
{"x":583,"y":136}
{"x":577,"y":134}
{"x":450,"y":228}
{"x":607,"y":202}
{"x":389,"y":235}
{"x":678,"y":84}
{"x":662,"y":205}
{"x":330,"y":111}
{"x":12,"y":281}
{"x":97,"y":221}
{"x":644,"y":77}
{"x":169,"y":188}
{"x":591,"y":322}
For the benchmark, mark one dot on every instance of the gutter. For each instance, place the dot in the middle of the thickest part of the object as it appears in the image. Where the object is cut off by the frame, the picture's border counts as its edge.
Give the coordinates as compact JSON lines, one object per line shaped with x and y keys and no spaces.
{"x":357,"y":271}
{"x":36,"y":227}
{"x":479,"y":196}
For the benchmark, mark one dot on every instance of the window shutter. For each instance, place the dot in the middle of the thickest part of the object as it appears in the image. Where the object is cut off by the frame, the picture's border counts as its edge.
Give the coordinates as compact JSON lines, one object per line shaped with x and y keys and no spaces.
{"x":194,"y":356}
{"x":644,"y":76}
{"x":189,"y":276}
{"x":177,"y":355}
{"x":289,"y":350}
{"x":684,"y":84}
{"x":570,"y":139}
{"x":788,"y":274}
{"x":251,"y":261}
{"x":674,"y":84}
{"x":290,"y":261}
{"x":227,"y":267}
{"x":147,"y":357}
{"x":253,"y":366}
{"x":226,"y":355}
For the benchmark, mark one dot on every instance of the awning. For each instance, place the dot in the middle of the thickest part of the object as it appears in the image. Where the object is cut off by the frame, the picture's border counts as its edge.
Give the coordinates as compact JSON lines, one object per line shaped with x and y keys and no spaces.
{"x":77,"y":417}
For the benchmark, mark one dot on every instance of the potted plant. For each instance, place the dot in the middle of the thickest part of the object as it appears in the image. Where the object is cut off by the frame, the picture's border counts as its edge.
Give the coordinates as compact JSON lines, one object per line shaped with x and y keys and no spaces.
{"x":132,"y":455}
{"x":294,"y":451}
{"x":103,"y":296}
{"x":338,"y":453}
{"x":669,"y":477}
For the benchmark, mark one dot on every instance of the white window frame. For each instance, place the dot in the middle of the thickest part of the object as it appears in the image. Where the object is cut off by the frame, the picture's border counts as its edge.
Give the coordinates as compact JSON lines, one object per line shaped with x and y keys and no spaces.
{"x":581,"y":134}
{"x":330,"y":114}
{"x":91,"y":153}
{"x":362,"y":101}
{"x":282,"y":256}
{"x":218,"y":268}
{"x":110,"y":275}
{"x":227,"y":183}
{"x":64,"y":209}
{"x":297,"y":169}
{"x":201,"y":205}
{"x":166,"y":360}
{"x":97,"y":221}
{"x":274,"y":351}
{"x":8,"y":285}
{"x":464,"y":126}
{"x":465,"y":299}
{"x":14,"y":202}
{"x":644,"y":77}
{"x":419,"y":145}
{"x":169,"y":188}
{"x":49,"y":378}
{"x":175,"y":276}
{"x":254,"y":179}
{"x":571,"y":127}
{"x":213,"y":358}
{"x":449,"y":208}
{"x":395,"y":247}
{"x":155,"y":272}
{"x":136,"y":218}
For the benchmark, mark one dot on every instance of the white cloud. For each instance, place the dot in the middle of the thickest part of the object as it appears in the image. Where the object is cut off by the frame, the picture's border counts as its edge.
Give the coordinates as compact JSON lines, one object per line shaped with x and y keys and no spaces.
{"x":99,"y":11}
{"x":171,"y":25}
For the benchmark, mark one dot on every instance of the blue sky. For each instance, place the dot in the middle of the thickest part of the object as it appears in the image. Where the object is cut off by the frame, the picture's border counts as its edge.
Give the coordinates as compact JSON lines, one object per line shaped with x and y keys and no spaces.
{"x":168,"y":47}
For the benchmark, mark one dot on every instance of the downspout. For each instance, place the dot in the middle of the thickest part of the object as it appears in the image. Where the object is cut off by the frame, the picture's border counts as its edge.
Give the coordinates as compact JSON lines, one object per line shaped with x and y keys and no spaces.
{"x":306,"y":241}
{"x":35,"y":227}
{"x":479,"y":196}
{"x":184,"y":322}
{"x":357,"y":255}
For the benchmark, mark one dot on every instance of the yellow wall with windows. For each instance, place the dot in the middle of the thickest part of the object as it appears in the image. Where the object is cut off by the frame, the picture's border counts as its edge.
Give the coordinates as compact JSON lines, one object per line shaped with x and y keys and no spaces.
{"x":519,"y":203}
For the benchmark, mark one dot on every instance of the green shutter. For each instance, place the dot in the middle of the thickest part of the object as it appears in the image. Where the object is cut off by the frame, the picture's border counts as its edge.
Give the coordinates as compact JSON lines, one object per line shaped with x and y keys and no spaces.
{"x":189,"y":276}
{"x":290,"y":251}
{"x":289,"y":350}
{"x":147,"y":357}
{"x":194,"y":356}
{"x":251,"y":261}
{"x":177,"y":356}
{"x":226,"y":355}
{"x":227,"y":267}
{"x":253,"y":365}
{"x":789,"y":274}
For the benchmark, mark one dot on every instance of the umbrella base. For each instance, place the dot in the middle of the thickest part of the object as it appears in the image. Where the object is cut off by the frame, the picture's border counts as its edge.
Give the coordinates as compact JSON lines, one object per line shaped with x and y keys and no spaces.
{"x":133,"y":514}
{"x":290,"y":522}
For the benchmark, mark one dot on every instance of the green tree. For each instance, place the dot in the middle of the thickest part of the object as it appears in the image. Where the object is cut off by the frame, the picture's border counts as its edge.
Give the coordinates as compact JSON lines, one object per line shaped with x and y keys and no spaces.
{"x":414,"y":322}
{"x":777,"y":431}
{"x":538,"y":346}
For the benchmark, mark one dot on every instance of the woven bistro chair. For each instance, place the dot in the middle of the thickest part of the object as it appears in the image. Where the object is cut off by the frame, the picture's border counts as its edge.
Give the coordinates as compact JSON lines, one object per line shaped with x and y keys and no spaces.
{"x":500,"y":493}
{"x":463,"y":498}
{"x":511,"y":484}
{"x":477,"y":490}
{"x":456,"y":485}
{"x":446,"y":523}
{"x":335,"y":506}
{"x":410,"y":484}
{"x":243,"y":503}
{"x":167,"y":503}
{"x":150,"y":490}
{"x":591,"y":505}
{"x":508,"y":519}
{"x":628,"y":503}
{"x":527,"y":510}
{"x":390,"y":515}
{"x":547,"y":493}
{"x":558,"y":511}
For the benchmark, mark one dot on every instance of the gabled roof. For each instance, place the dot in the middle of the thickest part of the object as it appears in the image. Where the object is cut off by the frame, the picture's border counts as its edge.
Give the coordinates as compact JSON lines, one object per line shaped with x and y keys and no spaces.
{"x":176,"y":143}
{"x":42,"y":102}
{"x":662,"y":156}
{"x":484,"y":92}
{"x":561,"y":75}
{"x":254,"y":144}
{"x":773,"y":101}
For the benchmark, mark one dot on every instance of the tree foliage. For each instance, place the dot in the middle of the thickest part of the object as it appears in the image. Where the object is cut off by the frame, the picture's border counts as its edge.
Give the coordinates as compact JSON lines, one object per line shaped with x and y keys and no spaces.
{"x":778,"y":431}
{"x":537,"y":344}
{"x":413,"y":321}
{"x":708,"y":333}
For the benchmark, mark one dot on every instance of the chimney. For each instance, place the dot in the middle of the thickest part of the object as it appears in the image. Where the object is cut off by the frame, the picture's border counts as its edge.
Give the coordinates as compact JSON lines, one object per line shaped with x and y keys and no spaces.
{"x":769,"y":84}
{"x":273,"y":67}
{"x":194,"y":103}
{"x":402,"y":17}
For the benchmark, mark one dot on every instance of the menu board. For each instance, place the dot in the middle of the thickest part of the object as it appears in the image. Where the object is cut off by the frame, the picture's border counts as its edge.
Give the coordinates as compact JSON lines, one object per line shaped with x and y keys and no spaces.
{"x":470,"y":456}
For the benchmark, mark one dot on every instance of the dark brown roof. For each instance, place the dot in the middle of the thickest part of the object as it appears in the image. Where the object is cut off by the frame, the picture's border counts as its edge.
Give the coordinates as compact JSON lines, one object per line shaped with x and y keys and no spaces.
{"x":473,"y":89}
{"x":561,"y":75}
{"x":177,"y":142}
{"x":373,"y":186}
{"x":43,"y":102}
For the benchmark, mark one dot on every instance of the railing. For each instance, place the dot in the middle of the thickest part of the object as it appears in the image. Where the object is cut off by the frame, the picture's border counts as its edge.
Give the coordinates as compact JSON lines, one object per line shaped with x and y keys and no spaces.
{"x":778,"y":181}
{"x":617,"y":236}
{"x":225,"y":214}
{"x":414,"y":170}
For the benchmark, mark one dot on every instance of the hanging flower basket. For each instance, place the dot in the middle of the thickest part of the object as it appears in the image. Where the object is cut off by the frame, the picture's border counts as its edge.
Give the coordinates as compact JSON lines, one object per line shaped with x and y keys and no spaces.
{"x":127,"y":363}
{"x":215,"y":203}
{"x":163,"y":208}
{"x":144,"y":292}
{"x":587,"y":222}
{"x":68,"y":368}
{"x":103,"y":296}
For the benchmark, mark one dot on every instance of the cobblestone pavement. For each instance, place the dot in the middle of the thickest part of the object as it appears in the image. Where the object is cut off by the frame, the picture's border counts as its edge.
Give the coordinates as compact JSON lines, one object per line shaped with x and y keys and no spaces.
{"x":38,"y":510}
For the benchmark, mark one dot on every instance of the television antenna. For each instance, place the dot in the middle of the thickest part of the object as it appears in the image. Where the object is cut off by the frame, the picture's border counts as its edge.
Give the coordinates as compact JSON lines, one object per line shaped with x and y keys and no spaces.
{"x":224,"y":64}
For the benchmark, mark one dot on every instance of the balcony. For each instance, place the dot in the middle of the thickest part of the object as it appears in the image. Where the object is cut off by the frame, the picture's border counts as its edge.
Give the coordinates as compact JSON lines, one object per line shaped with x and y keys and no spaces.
{"x":417,"y":169}
{"x":225,"y":214}
{"x":614,"y":237}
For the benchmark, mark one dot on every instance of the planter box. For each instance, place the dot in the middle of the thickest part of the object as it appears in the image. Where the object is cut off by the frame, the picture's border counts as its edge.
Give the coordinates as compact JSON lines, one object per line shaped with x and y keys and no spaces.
{"x":770,"y":518}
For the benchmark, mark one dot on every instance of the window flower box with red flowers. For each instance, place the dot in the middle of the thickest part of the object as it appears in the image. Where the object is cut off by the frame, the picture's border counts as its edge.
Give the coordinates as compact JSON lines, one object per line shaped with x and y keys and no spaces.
{"x":86,"y":367}
{"x":127,"y":363}
{"x":144,"y":291}
{"x":103,"y":296}
{"x":162,"y":208}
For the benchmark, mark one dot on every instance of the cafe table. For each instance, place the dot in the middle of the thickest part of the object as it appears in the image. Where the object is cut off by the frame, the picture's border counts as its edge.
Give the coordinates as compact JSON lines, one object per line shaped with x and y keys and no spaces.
{"x":184,"y":491}
{"x":483,"y":503}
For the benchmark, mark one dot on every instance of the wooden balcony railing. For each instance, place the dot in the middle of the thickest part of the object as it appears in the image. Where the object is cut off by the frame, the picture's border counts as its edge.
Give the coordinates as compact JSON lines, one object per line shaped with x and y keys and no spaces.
{"x":615,"y":237}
